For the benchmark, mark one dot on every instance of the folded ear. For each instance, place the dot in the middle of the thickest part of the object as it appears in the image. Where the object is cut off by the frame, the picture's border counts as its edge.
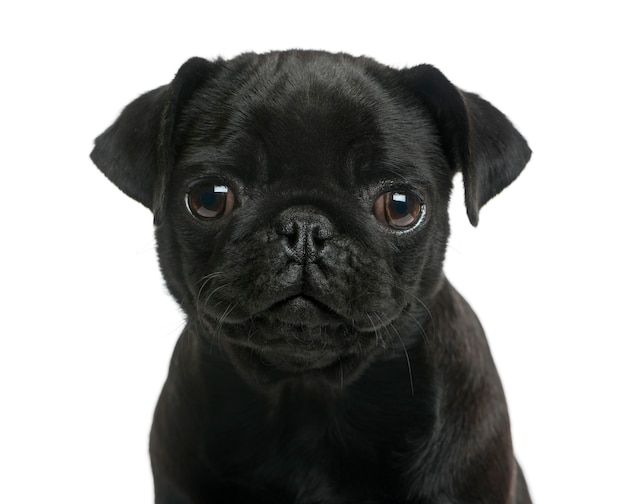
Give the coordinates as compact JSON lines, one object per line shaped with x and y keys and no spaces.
{"x":478,"y":139}
{"x":137,"y":151}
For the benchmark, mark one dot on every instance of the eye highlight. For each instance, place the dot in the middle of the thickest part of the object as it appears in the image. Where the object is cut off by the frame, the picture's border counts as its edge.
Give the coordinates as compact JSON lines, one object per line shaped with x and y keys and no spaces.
{"x":399,"y":209}
{"x":210,"y":201}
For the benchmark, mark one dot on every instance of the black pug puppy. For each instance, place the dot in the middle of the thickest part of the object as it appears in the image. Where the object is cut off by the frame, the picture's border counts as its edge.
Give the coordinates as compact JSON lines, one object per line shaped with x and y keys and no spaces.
{"x":300,"y":204}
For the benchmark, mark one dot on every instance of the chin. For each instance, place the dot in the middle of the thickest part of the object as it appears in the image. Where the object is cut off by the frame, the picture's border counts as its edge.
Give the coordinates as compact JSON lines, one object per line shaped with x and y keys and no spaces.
{"x":273,"y":353}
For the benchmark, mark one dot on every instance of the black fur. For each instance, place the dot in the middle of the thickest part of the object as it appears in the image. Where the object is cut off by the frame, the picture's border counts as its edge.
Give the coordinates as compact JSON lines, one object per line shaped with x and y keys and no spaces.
{"x":326,"y":358}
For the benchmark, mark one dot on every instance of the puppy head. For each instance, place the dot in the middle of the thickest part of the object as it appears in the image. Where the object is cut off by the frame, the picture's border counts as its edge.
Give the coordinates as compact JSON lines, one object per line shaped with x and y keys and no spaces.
{"x":300,"y":200}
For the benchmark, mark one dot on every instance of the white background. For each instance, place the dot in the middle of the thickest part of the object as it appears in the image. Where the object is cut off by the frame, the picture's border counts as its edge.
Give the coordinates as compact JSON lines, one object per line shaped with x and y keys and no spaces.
{"x":87,"y":329}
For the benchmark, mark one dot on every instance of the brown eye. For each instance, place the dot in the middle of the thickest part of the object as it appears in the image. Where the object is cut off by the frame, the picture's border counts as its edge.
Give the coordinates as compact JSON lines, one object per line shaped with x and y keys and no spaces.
{"x":398,"y":210}
{"x":210,"y":201}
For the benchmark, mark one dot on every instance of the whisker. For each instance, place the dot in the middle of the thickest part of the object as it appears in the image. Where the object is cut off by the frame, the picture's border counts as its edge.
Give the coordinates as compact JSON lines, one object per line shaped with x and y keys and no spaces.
{"x":224,"y":315}
{"x":208,"y":298}
{"x":209,"y":276}
{"x":378,"y":336}
{"x":422,"y":331}
{"x":341,"y":375}
{"x":415,"y":298}
{"x":205,"y":280}
{"x":388,"y":280}
{"x":406,"y":354}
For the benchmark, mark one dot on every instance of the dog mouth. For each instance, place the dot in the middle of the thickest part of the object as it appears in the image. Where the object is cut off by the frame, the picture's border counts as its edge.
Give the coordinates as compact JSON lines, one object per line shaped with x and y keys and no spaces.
{"x":300,"y":337}
{"x":300,"y":310}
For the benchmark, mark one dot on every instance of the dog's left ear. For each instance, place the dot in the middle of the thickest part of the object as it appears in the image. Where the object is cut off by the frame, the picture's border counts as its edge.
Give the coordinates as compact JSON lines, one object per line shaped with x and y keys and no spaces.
{"x":138,"y":150}
{"x":478,"y":139}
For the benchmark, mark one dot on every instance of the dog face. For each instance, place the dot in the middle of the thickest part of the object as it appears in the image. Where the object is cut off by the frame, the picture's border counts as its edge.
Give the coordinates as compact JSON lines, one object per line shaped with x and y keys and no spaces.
{"x":301,"y":198}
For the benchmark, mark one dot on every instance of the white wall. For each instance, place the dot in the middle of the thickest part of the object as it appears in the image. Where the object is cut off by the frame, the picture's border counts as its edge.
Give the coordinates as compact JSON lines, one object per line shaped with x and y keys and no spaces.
{"x":87,"y":329}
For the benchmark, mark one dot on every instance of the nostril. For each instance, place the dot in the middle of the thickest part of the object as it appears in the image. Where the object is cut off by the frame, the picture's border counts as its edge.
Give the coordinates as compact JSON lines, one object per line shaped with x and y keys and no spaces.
{"x":318,"y":242}
{"x":293,"y":238}
{"x":304,"y":233}
{"x":288,"y":229}
{"x":320,"y":233}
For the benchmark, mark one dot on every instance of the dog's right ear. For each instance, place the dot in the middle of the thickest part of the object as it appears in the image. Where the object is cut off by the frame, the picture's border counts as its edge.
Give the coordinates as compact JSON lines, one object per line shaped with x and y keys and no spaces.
{"x":137,"y":151}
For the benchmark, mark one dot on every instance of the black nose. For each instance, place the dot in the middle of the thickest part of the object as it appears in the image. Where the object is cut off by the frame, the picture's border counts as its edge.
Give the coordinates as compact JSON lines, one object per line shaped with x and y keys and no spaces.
{"x":305,"y":232}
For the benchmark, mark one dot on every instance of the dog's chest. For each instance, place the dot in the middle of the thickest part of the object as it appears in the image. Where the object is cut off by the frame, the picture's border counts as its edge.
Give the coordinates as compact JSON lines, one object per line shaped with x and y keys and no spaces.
{"x":307,"y":451}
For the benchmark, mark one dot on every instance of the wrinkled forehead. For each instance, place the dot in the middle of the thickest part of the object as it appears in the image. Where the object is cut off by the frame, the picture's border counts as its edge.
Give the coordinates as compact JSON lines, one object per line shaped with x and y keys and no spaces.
{"x":304,"y":120}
